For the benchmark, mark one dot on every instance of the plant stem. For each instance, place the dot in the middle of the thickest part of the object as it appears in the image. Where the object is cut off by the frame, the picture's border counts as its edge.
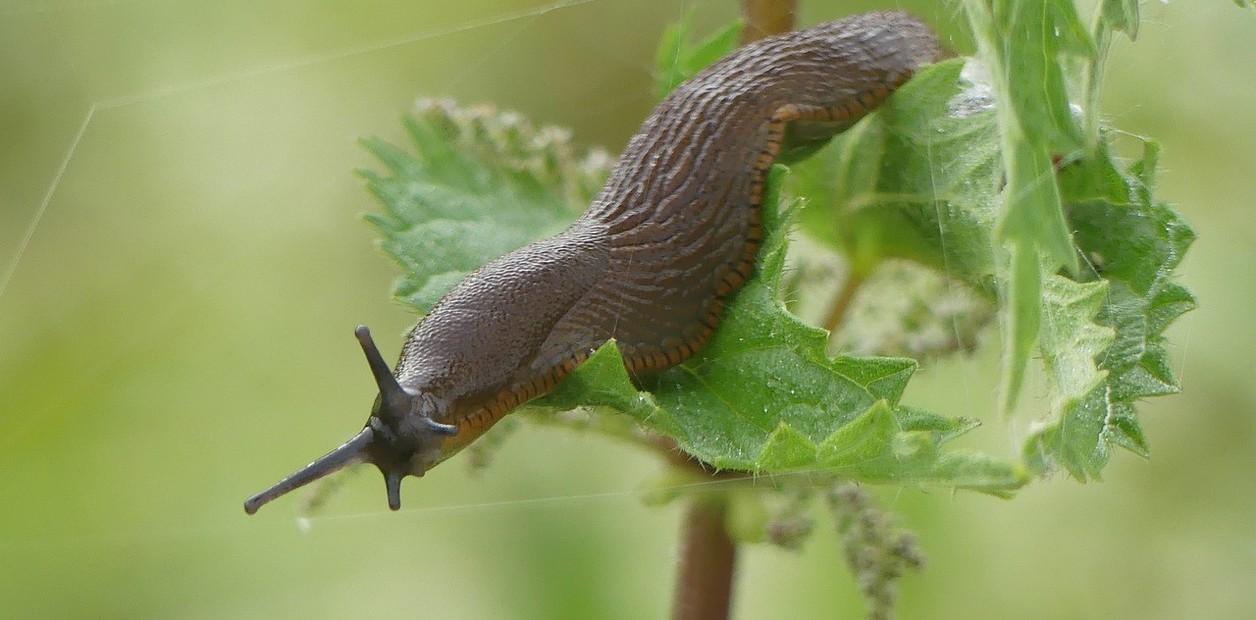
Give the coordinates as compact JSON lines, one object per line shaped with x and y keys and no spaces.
{"x":837,"y":312}
{"x":765,"y":18}
{"x":704,"y":584}
{"x":708,"y":556}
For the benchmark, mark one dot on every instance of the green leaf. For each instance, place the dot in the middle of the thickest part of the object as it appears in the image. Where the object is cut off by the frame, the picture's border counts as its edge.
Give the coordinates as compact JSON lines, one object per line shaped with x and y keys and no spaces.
{"x":1025,"y":42}
{"x":1096,"y":178}
{"x":916,"y":179}
{"x":1134,"y":245}
{"x":1071,"y":342}
{"x":1026,"y":45}
{"x":1101,"y":341}
{"x":1122,"y":15}
{"x":479,"y":184}
{"x":678,"y":58}
{"x":602,"y":381}
{"x":1023,"y":316}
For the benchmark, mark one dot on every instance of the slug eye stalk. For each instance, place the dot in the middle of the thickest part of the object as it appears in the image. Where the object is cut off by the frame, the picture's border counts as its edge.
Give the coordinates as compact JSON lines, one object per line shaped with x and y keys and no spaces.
{"x":350,"y":453}
{"x":398,"y":435}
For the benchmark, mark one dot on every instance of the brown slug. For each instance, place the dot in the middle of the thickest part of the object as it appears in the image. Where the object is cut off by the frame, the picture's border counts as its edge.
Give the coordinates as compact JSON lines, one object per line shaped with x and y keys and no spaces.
{"x":650,"y":263}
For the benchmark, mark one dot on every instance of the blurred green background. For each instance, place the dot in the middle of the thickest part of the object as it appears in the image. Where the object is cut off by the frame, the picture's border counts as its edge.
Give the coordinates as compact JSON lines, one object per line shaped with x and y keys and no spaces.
{"x":177,"y":335}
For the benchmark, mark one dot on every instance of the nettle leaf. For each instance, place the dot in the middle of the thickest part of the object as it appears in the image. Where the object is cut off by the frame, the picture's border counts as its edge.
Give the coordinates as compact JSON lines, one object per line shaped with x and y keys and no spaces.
{"x":916,"y":179}
{"x":1026,"y":45}
{"x":1071,"y":341}
{"x":1099,"y":333}
{"x":479,"y":184}
{"x":1032,"y":37}
{"x":1122,"y":16}
{"x":1134,"y":243}
{"x":763,"y":396}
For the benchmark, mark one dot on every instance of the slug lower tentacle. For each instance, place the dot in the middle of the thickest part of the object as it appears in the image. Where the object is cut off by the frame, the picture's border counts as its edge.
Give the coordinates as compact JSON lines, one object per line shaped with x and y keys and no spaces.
{"x":650,"y":263}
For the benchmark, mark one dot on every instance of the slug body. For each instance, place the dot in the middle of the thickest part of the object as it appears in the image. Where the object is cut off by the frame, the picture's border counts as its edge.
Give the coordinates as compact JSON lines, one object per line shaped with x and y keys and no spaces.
{"x":650,"y":263}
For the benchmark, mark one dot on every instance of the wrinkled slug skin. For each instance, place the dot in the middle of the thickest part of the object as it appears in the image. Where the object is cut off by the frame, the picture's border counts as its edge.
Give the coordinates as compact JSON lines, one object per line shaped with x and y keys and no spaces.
{"x":671,"y":235}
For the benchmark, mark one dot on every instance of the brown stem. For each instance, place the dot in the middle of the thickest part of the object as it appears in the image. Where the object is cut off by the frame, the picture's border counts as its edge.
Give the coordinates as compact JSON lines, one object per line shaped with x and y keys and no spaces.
{"x":704,"y":585}
{"x":838,"y":311}
{"x":765,"y":18}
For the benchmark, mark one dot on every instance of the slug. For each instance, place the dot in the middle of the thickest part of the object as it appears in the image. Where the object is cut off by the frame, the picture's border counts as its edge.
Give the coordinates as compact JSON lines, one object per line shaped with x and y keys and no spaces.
{"x":651,"y":262}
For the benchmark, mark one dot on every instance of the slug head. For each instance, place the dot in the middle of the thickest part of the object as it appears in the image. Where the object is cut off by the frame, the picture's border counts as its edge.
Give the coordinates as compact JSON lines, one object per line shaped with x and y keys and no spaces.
{"x":400,"y":437}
